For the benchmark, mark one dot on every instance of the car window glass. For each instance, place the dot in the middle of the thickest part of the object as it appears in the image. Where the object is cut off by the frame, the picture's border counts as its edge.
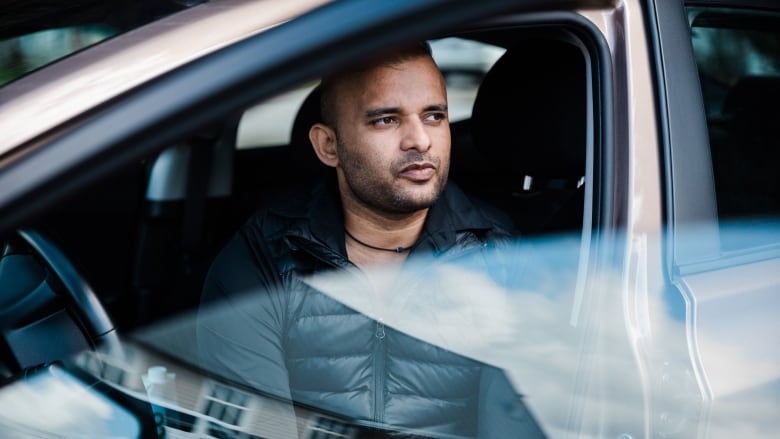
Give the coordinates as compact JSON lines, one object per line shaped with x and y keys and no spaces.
{"x":738,"y":58}
{"x":463,"y":63}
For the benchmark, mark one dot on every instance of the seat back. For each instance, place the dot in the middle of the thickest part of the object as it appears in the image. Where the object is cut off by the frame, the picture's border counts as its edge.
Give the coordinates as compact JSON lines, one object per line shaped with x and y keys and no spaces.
{"x":306,"y":161}
{"x":185,"y":219}
{"x":529,"y":127}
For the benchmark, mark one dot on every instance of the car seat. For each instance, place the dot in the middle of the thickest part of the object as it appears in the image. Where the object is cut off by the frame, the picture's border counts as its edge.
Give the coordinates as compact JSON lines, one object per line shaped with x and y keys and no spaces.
{"x":308,"y":114}
{"x":530,"y":135}
{"x":186,"y":219}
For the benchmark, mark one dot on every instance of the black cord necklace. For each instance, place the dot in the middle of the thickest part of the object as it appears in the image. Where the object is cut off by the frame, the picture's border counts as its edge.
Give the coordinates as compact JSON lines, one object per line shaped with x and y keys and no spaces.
{"x":394,"y":250}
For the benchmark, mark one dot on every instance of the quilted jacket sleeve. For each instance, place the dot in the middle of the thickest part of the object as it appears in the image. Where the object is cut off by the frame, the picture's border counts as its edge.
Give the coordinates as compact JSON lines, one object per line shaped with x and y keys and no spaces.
{"x":240,"y":328}
{"x":502,"y":412}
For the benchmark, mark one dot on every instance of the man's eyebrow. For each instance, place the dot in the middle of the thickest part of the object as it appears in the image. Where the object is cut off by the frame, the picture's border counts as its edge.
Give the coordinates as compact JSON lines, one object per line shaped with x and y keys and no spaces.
{"x":437,"y":107}
{"x":377,"y":112}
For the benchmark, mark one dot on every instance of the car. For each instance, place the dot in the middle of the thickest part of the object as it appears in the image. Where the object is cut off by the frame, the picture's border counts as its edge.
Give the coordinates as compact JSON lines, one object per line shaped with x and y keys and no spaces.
{"x":633,"y":144}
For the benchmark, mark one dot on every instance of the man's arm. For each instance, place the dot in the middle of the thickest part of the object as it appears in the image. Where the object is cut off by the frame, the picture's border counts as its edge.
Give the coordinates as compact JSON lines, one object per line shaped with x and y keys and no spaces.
{"x":502,"y":411}
{"x":240,"y":328}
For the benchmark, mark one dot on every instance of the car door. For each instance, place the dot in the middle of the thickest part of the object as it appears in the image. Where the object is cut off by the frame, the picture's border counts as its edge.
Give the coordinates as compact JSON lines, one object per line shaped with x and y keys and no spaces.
{"x":721,"y":204}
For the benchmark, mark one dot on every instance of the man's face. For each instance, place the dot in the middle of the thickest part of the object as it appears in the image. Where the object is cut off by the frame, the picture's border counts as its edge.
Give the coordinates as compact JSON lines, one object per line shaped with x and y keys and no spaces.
{"x":393,"y":136}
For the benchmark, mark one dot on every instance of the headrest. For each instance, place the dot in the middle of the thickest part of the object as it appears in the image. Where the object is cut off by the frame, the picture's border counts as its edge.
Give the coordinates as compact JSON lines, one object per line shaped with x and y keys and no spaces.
{"x":530,"y":112}
{"x":752,"y":102}
{"x":308,"y":114}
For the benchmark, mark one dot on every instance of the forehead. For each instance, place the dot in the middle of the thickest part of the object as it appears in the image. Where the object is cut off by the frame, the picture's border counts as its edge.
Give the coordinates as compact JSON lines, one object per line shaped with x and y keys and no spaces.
{"x":410,"y":81}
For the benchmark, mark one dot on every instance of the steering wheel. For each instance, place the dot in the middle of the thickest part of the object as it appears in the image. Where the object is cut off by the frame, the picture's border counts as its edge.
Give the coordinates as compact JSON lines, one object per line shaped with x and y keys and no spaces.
{"x":48,"y":312}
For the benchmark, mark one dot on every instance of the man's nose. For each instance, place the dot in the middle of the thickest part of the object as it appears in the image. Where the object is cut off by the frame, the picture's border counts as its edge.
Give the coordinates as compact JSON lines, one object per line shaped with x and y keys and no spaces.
{"x":415,"y":135}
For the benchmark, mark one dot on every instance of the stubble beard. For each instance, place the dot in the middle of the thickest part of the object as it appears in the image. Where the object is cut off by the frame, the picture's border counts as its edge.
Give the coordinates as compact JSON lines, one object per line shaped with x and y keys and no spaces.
{"x":386,"y":196}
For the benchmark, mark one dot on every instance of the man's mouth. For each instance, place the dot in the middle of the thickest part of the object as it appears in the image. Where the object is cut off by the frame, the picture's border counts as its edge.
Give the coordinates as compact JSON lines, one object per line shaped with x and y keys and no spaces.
{"x":420,"y":171}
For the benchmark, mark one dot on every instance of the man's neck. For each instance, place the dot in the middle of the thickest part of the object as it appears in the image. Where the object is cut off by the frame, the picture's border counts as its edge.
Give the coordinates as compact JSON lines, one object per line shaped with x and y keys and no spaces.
{"x":373,"y":237}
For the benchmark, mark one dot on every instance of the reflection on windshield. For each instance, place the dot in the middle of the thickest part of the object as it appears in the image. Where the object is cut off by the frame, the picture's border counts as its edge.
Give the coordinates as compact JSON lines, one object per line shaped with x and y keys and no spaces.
{"x":53,"y":400}
{"x":629,"y":366}
{"x":333,"y":356}
{"x":636,"y":362}
{"x":513,"y":316}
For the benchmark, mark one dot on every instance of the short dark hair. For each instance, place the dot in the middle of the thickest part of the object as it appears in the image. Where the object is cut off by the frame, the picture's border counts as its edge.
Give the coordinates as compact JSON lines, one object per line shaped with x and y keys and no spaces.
{"x":392,"y":57}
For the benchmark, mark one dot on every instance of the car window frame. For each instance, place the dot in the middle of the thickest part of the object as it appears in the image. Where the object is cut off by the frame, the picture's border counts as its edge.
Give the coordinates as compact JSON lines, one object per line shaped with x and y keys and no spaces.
{"x":689,"y":183}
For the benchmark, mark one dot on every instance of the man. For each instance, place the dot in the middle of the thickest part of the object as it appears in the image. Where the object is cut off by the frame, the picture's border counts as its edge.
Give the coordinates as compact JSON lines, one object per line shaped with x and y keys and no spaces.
{"x":386,"y":134}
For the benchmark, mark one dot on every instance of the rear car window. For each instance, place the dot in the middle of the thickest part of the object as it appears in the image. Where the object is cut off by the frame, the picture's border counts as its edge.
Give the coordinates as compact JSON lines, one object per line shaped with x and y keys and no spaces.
{"x":738,"y":58}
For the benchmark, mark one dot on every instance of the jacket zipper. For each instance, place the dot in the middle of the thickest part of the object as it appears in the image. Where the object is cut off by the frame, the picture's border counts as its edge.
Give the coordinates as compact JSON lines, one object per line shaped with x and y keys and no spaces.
{"x":380,"y":354}
{"x":335,"y":260}
{"x":379,"y":361}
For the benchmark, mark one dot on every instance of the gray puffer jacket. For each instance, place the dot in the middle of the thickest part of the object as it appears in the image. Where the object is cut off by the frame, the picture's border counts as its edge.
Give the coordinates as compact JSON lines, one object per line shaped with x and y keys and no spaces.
{"x":298,"y":343}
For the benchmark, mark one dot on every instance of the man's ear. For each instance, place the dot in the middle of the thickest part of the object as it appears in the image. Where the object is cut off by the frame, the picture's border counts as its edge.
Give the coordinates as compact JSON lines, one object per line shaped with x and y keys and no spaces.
{"x":323,"y":139}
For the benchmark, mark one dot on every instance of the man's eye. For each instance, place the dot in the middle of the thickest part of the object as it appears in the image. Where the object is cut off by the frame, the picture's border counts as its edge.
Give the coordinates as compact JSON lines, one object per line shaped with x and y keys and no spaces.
{"x":382,"y":121}
{"x":435,"y":116}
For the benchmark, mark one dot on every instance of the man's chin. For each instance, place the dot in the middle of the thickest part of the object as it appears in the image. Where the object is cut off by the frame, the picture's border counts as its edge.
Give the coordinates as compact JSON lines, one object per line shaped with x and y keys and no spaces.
{"x":415,"y":202}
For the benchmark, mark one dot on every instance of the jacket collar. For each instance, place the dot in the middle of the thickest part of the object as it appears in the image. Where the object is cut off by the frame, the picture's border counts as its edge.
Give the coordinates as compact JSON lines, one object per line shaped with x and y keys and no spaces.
{"x":321,"y":218}
{"x":325,"y":216}
{"x":452,"y":214}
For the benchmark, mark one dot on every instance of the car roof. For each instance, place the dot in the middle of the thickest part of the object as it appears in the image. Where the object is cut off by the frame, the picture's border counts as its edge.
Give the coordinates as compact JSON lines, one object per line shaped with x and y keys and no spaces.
{"x":64,"y":90}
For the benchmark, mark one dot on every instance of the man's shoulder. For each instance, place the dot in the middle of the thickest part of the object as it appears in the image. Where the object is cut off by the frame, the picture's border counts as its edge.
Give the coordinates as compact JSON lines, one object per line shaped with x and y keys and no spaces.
{"x":502,"y":222}
{"x":290,"y":200}
{"x":277,"y":209}
{"x":297,"y":208}
{"x":471,"y":212}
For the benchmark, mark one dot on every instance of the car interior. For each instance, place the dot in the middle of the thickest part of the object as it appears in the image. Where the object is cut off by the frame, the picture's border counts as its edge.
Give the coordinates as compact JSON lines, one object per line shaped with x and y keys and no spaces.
{"x":745,"y":135}
{"x":135,"y":248}
{"x":742,"y":119}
